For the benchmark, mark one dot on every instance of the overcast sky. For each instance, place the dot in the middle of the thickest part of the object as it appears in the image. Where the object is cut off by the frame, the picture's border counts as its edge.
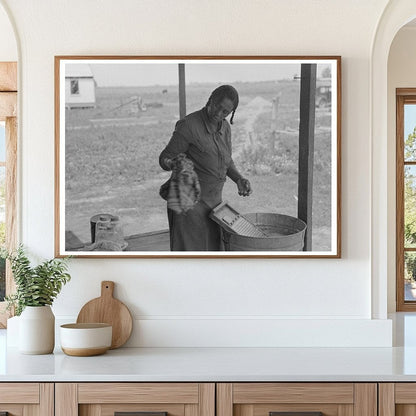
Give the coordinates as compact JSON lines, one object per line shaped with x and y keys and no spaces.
{"x":409,"y":119}
{"x":130,"y":73}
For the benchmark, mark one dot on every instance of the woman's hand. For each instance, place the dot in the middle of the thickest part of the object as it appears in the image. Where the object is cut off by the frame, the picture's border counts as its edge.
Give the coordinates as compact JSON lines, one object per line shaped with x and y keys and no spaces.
{"x":244,"y":187}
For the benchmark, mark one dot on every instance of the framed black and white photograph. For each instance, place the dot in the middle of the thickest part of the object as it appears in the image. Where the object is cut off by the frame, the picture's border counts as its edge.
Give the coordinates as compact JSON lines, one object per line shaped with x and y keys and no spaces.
{"x":198,"y":156}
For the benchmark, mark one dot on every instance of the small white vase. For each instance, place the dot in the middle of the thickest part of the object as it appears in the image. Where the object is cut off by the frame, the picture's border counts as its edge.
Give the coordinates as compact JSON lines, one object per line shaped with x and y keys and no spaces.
{"x":37,"y":330}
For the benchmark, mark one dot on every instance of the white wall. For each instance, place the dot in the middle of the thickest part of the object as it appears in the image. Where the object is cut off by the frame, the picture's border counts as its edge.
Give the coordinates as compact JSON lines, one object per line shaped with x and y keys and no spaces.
{"x":401,"y":74}
{"x":8,"y":46}
{"x":212,"y":301}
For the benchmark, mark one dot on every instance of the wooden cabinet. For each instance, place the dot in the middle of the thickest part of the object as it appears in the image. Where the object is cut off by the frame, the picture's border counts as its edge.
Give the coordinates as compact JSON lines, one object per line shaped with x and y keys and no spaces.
{"x":27,"y":399}
{"x":397,"y":399}
{"x":208,"y":399}
{"x":263,"y":399}
{"x":106,"y":399}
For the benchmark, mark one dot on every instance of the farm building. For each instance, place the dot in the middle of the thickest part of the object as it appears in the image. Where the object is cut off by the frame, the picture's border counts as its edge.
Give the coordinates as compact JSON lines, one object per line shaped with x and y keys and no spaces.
{"x":323,"y":92}
{"x":79,"y":86}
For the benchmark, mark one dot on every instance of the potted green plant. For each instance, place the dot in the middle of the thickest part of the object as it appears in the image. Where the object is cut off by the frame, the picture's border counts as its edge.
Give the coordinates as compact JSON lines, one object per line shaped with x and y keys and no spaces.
{"x":36,"y":289}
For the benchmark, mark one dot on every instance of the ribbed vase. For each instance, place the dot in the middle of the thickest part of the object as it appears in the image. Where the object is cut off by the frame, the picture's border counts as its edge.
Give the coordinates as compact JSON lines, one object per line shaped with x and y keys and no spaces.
{"x":37,"y":330}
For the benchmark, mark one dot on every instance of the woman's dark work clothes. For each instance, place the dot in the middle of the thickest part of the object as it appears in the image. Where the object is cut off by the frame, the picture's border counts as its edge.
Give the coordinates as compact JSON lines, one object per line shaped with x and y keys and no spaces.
{"x":209,"y":148}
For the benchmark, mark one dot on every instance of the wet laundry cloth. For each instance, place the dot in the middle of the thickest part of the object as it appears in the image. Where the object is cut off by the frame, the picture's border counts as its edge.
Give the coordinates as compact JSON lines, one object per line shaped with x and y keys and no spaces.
{"x":182,"y":191}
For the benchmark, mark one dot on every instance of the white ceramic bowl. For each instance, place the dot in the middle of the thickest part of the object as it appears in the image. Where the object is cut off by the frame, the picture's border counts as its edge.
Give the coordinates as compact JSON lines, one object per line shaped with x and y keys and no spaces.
{"x":85,"y":339}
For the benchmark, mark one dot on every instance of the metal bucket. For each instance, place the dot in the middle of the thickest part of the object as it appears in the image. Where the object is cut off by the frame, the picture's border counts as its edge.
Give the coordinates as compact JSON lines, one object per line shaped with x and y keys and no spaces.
{"x":93,"y":223}
{"x":284,"y":233}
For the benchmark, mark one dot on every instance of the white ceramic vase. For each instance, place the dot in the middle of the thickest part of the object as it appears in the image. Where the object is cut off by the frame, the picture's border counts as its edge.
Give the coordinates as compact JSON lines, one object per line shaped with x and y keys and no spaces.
{"x":37,"y":330}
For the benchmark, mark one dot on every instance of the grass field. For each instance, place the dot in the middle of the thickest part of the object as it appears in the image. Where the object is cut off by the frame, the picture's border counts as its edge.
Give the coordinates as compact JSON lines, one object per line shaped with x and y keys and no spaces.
{"x":111,"y":156}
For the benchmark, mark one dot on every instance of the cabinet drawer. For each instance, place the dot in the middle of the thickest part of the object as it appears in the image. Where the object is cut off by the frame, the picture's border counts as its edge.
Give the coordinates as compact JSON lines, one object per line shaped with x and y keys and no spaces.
{"x":138,"y":393}
{"x":149,"y":399}
{"x":293,"y":392}
{"x":21,"y":399}
{"x":19,"y":393}
{"x":297,"y":399}
{"x":397,"y":399}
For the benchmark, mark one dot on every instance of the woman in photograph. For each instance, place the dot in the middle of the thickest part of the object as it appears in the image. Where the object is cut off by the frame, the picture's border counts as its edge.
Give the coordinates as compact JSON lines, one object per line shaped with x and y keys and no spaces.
{"x":203,"y":140}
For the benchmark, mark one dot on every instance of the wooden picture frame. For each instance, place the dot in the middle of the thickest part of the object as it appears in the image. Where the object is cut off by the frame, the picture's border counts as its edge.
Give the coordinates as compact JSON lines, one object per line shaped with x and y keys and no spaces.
{"x":115,"y":114}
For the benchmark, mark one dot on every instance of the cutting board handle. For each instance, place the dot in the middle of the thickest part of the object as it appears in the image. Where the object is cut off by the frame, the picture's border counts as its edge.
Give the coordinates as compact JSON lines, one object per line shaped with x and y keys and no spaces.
{"x":107,"y":289}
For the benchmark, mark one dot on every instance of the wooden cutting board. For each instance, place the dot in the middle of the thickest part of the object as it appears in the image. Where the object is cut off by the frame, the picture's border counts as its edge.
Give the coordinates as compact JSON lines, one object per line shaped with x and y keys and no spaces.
{"x":108,"y":310}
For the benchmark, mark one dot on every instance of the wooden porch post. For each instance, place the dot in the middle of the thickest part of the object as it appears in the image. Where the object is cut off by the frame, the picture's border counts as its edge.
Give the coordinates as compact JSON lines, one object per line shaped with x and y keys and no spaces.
{"x":182,"y":93}
{"x":306,"y":148}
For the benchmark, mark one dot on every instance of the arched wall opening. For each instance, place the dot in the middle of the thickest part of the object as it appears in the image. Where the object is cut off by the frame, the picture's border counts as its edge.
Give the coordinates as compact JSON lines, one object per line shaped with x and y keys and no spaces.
{"x":396,"y":15}
{"x":401,"y":74}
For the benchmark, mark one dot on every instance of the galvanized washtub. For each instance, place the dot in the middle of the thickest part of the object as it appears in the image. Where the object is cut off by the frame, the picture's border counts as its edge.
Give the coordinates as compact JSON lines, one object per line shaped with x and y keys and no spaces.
{"x":284,"y":233}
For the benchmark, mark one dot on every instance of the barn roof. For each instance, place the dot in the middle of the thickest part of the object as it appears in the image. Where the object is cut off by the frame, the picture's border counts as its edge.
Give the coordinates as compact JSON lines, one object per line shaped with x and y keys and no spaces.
{"x":78,"y":70}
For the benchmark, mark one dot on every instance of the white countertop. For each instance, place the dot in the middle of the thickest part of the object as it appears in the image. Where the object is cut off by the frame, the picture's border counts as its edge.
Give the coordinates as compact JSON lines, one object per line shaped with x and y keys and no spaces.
{"x":221,"y":364}
{"x":215,"y":364}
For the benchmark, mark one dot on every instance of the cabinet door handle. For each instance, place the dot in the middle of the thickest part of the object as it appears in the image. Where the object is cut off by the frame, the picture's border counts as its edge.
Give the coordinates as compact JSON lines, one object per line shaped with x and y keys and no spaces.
{"x":139,"y":414}
{"x":295,"y":413}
